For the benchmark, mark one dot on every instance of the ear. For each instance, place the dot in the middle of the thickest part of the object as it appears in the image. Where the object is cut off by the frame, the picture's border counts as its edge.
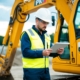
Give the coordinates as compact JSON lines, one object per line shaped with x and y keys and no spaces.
{"x":37,"y":21}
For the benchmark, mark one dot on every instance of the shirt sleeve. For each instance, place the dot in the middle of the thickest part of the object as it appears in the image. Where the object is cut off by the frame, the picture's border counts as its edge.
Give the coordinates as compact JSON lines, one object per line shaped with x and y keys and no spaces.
{"x":26,"y":48}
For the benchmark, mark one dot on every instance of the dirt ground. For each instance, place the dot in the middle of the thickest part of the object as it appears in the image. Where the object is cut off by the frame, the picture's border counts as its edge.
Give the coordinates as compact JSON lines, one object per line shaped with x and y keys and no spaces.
{"x":17,"y":71}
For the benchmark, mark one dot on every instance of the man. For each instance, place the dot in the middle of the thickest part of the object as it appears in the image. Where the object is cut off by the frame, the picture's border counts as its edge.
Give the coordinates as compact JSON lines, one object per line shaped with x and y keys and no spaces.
{"x":35,"y":46}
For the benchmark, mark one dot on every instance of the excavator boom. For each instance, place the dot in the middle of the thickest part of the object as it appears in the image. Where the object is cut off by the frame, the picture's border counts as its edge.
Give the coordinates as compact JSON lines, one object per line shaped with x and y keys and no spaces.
{"x":20,"y":10}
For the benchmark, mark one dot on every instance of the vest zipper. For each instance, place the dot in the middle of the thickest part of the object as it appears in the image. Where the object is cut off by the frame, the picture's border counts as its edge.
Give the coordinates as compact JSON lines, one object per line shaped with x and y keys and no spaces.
{"x":46,"y":47}
{"x":45,"y":64}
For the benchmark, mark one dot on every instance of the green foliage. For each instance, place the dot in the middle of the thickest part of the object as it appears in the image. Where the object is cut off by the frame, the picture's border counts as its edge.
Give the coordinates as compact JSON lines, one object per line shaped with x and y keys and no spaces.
{"x":63,"y":37}
{"x":1,"y":40}
{"x":52,"y":37}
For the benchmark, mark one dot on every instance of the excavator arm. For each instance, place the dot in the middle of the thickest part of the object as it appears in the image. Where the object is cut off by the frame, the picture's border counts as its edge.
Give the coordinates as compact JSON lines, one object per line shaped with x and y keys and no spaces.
{"x":20,"y":12}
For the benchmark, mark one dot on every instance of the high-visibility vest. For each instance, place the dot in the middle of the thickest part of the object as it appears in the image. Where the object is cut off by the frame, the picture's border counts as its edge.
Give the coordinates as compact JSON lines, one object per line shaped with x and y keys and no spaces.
{"x":36,"y":44}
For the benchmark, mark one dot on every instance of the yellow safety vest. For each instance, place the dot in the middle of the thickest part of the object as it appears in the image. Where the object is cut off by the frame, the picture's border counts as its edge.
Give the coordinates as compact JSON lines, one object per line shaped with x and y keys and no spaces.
{"x":36,"y":44}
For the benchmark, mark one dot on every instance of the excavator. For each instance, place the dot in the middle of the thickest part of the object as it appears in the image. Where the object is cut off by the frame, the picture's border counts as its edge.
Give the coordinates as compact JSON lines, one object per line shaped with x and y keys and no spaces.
{"x":68,"y":10}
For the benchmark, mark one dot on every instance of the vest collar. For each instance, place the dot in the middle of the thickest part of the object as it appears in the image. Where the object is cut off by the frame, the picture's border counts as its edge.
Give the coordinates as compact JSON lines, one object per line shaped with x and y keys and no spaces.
{"x":33,"y":27}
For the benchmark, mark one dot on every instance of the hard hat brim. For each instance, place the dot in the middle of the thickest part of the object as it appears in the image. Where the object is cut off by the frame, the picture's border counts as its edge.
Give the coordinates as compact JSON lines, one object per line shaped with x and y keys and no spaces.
{"x":49,"y":21}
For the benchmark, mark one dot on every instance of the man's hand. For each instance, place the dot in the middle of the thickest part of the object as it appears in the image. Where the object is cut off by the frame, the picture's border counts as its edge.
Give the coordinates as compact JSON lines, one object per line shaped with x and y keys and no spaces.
{"x":47,"y":52}
{"x":60,"y":50}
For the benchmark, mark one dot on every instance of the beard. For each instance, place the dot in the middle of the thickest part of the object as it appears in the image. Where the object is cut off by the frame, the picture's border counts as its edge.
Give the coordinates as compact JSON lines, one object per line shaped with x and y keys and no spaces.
{"x":41,"y":29}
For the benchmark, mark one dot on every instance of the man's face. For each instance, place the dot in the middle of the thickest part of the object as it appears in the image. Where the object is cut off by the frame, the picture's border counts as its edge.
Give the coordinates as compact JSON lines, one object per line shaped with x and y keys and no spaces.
{"x":41,"y":25}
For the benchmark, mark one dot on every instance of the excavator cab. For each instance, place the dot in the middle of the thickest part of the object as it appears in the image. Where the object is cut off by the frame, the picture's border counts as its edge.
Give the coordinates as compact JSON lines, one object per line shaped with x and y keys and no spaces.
{"x":64,"y":37}
{"x":69,"y":61}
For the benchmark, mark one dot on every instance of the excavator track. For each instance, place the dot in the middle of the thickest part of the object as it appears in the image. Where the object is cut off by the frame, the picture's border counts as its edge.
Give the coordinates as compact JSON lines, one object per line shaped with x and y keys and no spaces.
{"x":9,"y":77}
{"x":66,"y":77}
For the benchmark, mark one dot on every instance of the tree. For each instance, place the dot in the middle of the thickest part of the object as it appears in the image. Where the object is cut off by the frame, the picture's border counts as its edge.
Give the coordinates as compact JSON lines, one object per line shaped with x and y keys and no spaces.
{"x":52,"y":37}
{"x":1,"y":40}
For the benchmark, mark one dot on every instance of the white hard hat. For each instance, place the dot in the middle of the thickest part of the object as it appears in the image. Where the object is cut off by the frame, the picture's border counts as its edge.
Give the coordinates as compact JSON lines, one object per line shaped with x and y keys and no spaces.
{"x":44,"y":14}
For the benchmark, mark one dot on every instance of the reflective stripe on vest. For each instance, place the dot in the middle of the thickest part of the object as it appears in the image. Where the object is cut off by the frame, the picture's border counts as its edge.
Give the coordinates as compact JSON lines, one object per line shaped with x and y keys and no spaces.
{"x":36,"y":44}
{"x":35,"y":62}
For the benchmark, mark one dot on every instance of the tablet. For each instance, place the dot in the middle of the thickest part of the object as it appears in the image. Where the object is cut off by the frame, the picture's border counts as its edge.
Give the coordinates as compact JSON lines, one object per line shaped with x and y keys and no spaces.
{"x":58,"y":45}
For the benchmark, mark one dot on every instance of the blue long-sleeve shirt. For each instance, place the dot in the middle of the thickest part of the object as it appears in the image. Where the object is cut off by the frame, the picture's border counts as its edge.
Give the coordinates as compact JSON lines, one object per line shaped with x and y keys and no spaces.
{"x":28,"y":53}
{"x":26,"y":46}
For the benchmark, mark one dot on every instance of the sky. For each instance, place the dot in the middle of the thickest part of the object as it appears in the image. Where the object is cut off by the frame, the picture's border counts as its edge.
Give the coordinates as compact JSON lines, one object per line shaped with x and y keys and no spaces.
{"x":5,"y":10}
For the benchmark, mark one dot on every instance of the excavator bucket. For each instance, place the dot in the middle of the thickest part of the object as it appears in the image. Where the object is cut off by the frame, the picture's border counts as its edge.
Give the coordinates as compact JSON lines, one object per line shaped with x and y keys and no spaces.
{"x":9,"y":77}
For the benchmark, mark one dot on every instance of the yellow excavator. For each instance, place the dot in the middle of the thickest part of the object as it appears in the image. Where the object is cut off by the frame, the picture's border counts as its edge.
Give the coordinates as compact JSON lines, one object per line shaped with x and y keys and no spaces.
{"x":68,"y":10}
